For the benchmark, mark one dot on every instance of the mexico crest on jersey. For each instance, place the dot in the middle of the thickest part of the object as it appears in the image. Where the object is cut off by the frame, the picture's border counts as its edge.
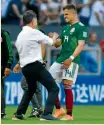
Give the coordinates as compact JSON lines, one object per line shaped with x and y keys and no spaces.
{"x":72,"y":30}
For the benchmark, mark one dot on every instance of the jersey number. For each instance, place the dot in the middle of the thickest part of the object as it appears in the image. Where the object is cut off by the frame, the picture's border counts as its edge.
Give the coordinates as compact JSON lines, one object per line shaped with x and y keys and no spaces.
{"x":69,"y":73}
{"x":66,"y":38}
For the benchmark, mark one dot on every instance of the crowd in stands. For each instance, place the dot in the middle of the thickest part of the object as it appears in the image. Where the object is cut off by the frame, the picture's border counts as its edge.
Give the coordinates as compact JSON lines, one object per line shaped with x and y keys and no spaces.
{"x":91,"y":12}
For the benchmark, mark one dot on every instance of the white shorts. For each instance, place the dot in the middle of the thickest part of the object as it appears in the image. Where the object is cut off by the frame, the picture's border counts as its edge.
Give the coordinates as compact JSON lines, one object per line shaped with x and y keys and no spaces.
{"x":59,"y":74}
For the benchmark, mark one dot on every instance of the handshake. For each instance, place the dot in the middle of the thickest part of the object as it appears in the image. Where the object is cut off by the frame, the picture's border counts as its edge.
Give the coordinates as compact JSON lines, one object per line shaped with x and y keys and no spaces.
{"x":53,"y":35}
{"x":56,"y":39}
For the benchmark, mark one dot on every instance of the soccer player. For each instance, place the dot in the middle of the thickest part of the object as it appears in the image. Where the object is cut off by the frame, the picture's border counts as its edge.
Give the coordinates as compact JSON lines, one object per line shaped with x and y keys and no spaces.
{"x":72,"y":39}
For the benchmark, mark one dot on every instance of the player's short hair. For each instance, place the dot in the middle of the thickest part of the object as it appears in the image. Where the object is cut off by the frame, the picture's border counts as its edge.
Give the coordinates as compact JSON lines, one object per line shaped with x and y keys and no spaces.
{"x":70,"y":6}
{"x":28,"y":16}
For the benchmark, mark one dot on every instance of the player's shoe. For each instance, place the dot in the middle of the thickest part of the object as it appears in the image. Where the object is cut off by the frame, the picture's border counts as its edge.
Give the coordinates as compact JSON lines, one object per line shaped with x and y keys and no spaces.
{"x":40,"y":111}
{"x":36,"y":112}
{"x":67,"y":117}
{"x":47,"y":117}
{"x":3,"y":115}
{"x":59,"y":112}
{"x":17,"y":117}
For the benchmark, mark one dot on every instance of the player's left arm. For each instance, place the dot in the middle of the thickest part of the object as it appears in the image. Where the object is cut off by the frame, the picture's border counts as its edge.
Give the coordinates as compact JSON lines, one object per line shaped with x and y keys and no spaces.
{"x":77,"y":51}
{"x":82,"y":38}
{"x":79,"y":48}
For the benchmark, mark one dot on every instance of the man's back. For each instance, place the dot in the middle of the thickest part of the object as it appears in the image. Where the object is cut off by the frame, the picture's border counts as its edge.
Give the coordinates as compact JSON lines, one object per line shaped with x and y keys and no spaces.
{"x":29,"y":43}
{"x":27,"y":46}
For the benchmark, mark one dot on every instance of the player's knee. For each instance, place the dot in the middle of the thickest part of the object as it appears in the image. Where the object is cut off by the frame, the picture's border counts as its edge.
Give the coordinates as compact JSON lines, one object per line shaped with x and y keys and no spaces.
{"x":53,"y":87}
{"x":68,"y":82}
{"x":67,"y":87}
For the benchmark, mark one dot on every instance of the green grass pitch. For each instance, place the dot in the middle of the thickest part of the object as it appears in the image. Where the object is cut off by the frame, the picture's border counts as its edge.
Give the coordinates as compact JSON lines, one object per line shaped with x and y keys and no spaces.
{"x":82,"y":115}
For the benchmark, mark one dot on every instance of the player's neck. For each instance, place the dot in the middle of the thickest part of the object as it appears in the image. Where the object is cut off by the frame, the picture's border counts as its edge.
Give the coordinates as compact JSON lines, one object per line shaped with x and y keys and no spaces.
{"x":74,"y":21}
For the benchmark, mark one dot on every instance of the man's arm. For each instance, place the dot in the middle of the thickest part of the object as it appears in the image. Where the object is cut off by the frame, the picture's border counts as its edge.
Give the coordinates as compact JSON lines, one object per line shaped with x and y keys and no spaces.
{"x":10,"y":50}
{"x":17,"y":67}
{"x":48,"y":14}
{"x":43,"y":47}
{"x":98,"y":18}
{"x":44,"y":39}
{"x":77,"y":51}
{"x":16,"y":11}
{"x":96,"y":9}
{"x":7,"y":70}
{"x":79,"y":48}
{"x":82,"y":38}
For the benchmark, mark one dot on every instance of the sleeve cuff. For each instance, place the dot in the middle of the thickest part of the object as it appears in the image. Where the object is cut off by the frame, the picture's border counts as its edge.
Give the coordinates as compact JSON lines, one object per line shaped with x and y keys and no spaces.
{"x":51,"y":41}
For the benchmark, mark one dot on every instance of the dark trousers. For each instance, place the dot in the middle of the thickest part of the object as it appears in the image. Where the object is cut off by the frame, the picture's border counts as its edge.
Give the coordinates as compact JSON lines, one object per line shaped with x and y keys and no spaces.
{"x":37,"y":97}
{"x":2,"y":97}
{"x":2,"y":92}
{"x":36,"y":72}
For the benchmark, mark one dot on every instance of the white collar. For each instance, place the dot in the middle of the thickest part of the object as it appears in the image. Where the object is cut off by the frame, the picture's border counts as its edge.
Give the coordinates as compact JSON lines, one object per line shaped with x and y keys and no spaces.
{"x":27,"y":28}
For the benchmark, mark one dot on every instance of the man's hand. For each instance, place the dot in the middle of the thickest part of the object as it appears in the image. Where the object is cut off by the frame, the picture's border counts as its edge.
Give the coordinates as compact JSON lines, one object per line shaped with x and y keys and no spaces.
{"x":7,"y":71}
{"x":67,"y":63}
{"x":50,"y":34}
{"x":53,"y":35}
{"x":17,"y":68}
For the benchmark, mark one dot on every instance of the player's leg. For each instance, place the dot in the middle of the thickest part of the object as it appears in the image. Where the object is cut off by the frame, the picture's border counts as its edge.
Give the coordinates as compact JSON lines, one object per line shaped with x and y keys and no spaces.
{"x":68,"y":99}
{"x":39,"y":94}
{"x":34,"y":100}
{"x":37,"y":102}
{"x":69,"y":77}
{"x":49,"y":83}
{"x":31,"y":81}
{"x":24,"y":86}
{"x":3,"y":115}
{"x":56,"y":72}
{"x":39,"y":97}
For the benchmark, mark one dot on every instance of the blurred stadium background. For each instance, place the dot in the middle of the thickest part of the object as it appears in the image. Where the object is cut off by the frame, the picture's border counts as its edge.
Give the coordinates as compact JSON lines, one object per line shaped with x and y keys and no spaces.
{"x":89,"y":87}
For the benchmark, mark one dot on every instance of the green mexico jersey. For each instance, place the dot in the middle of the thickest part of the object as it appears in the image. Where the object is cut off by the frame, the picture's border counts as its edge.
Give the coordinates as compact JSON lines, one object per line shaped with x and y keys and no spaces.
{"x":70,"y":36}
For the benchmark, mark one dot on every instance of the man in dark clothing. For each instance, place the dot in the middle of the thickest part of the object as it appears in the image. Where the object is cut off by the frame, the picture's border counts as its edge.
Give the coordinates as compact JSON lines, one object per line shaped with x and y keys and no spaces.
{"x":37,"y":97}
{"x":6,"y":61}
{"x":28,"y":44}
